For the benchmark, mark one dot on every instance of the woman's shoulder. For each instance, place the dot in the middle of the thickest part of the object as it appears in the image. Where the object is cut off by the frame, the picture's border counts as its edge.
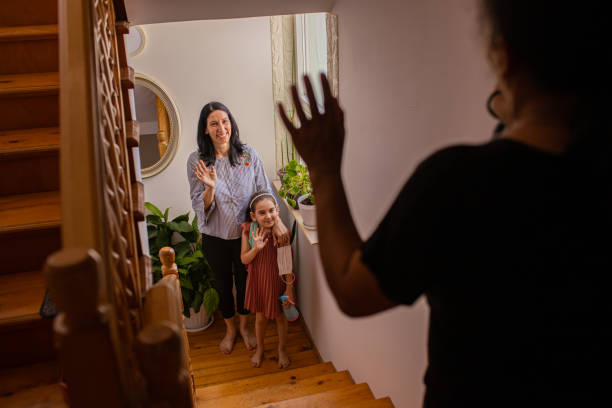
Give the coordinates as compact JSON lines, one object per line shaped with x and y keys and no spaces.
{"x":193,"y":157}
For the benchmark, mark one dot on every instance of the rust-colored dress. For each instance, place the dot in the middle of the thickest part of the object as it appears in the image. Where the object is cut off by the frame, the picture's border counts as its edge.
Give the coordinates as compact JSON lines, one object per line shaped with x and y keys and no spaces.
{"x":264,"y":285}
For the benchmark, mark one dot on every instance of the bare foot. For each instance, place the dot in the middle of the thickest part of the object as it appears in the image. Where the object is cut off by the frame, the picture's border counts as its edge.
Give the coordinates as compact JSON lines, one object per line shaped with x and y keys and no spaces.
{"x":227,"y":344}
{"x":283,"y":359}
{"x":257,"y":358}
{"x":249,"y":339}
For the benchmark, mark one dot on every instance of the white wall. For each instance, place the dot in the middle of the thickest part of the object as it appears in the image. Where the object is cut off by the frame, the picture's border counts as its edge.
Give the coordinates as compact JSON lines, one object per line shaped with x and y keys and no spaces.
{"x":199,"y":61}
{"x":156,"y":11}
{"x":413,"y":78}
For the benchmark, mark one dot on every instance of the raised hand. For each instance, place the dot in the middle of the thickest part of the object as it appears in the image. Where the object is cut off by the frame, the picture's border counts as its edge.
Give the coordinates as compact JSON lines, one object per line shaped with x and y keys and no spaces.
{"x":206,"y":176}
{"x":258,"y":239}
{"x":320,"y":139}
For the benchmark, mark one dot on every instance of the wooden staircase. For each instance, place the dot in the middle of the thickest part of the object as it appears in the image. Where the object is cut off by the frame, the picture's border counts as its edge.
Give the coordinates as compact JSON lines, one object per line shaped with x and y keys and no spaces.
{"x":29,"y":197}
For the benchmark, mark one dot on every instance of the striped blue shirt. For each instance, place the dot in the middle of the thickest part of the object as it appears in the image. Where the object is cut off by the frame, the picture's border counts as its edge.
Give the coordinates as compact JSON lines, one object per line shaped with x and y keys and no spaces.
{"x":234,"y":187}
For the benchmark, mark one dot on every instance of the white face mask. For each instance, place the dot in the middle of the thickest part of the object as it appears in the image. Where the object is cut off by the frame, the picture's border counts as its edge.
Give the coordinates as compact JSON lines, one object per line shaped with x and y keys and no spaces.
{"x":283,"y":257}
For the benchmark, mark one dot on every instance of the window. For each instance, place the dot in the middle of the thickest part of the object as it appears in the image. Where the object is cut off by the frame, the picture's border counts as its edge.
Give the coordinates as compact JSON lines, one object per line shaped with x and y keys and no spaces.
{"x":311,"y":52}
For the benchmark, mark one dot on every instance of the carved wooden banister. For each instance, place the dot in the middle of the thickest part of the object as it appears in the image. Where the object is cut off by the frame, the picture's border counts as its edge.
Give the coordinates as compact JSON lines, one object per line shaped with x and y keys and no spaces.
{"x":96,"y":178}
{"x":82,"y":329}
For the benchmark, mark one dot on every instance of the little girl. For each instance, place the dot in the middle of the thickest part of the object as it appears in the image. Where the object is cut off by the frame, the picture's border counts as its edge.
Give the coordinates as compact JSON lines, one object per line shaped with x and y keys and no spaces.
{"x":264,"y":284}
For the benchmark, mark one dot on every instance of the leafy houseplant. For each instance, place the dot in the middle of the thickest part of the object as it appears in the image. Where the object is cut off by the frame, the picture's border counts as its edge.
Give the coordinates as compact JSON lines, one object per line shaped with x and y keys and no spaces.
{"x":195,"y":274}
{"x":296,"y":183}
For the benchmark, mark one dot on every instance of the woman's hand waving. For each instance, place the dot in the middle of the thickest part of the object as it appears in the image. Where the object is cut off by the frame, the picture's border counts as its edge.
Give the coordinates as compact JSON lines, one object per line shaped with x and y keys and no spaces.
{"x":206,"y":176}
{"x":320,"y":139}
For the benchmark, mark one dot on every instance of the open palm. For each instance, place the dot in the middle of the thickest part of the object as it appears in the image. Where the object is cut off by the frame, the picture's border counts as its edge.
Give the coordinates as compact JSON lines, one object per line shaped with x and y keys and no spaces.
{"x":258,"y":239}
{"x":320,"y":139}
{"x":206,"y":176}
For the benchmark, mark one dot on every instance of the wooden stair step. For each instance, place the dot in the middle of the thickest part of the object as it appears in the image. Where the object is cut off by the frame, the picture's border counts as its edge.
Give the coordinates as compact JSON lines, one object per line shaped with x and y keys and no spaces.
{"x":378,"y":403}
{"x":17,"y":379}
{"x":31,"y":12}
{"x":29,"y":100}
{"x":23,"y":212}
{"x":243,"y":369}
{"x":26,"y":340}
{"x":21,"y":295}
{"x":29,"y":84}
{"x":22,"y":142}
{"x":30,"y":49}
{"x":29,"y":211}
{"x":31,"y":158}
{"x":25,"y":336}
{"x":30,"y":229}
{"x":47,"y":396}
{"x":280,"y":392}
{"x":29,"y":33}
{"x":261,"y":381}
{"x":340,"y":397}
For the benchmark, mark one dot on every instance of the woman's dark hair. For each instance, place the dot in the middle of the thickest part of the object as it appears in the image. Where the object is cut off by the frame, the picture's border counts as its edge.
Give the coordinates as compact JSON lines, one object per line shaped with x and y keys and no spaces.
{"x":263,"y":194}
{"x":563,"y":47}
{"x":205,"y":144}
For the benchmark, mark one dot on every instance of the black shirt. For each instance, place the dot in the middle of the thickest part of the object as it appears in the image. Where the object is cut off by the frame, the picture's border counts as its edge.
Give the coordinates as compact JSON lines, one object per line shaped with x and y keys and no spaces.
{"x":511,"y":246}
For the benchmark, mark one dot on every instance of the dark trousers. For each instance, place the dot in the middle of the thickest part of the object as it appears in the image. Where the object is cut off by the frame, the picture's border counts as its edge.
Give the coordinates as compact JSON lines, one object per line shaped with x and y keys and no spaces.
{"x":222,"y":254}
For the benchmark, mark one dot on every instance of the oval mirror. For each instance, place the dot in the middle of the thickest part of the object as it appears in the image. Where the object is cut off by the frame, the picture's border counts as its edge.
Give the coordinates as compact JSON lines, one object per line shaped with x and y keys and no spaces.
{"x":159,"y":125}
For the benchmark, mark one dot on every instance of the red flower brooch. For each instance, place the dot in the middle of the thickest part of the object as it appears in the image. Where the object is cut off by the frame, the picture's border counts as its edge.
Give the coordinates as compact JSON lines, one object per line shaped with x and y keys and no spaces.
{"x":246,"y":158}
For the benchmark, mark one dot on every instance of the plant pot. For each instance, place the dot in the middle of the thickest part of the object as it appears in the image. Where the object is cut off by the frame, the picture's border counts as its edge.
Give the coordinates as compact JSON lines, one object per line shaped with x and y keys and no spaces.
{"x":308,"y":213}
{"x":198,"y":321}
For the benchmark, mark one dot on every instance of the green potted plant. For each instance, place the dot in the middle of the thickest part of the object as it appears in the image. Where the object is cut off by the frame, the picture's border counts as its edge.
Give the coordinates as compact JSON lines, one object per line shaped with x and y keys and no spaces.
{"x":296,"y":183}
{"x":197,"y":284}
{"x":297,"y":191}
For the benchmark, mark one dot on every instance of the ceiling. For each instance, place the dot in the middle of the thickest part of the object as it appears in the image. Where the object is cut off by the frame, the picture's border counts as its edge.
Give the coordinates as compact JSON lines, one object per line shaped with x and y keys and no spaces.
{"x":162,"y":11}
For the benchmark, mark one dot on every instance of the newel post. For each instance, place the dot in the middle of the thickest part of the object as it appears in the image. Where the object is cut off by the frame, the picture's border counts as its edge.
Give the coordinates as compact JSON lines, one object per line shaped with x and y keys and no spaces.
{"x":81,"y":328}
{"x":162,"y":347}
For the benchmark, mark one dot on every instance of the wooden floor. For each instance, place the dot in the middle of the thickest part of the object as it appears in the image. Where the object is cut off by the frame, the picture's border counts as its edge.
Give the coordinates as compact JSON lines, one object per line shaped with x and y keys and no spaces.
{"x":212,"y":367}
{"x":229,"y":381}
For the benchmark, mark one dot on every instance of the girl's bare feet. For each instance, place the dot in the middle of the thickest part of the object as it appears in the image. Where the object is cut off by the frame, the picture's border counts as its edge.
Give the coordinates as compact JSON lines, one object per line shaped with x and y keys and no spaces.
{"x":257,"y":358}
{"x":247,"y":335}
{"x":283,"y":358}
{"x":227,"y":344}
{"x":249,"y":338}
